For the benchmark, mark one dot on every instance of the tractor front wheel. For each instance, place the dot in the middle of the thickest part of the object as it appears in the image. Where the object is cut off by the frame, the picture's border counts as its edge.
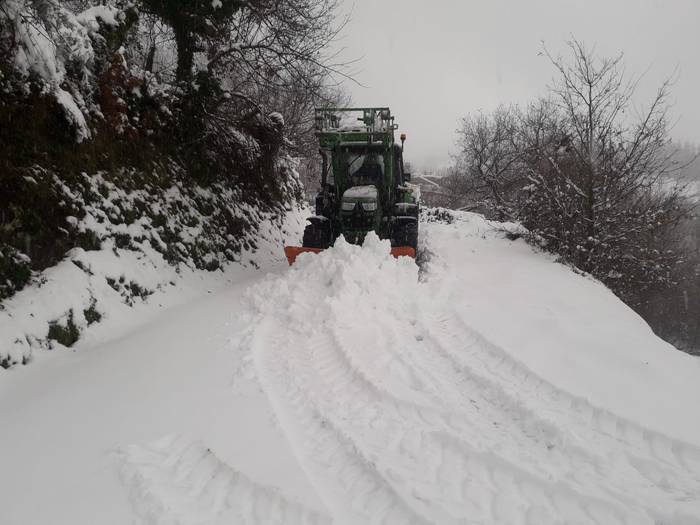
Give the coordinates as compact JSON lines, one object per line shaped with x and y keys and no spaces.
{"x":318,"y":235}
{"x":405,"y":233}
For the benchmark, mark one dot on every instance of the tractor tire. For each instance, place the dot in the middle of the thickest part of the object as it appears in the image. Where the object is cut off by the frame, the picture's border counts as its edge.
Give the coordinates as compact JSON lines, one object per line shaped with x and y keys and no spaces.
{"x":317,"y":235}
{"x":405,"y":233}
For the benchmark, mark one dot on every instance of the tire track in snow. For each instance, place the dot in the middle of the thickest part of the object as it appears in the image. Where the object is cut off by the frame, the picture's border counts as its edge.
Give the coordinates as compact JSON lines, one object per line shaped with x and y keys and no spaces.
{"x":433,"y":470}
{"x":520,"y":436}
{"x":346,"y":480}
{"x":629,"y":446}
{"x":463,"y":408}
{"x":178,"y":482}
{"x":530,"y":442}
{"x":499,"y":363}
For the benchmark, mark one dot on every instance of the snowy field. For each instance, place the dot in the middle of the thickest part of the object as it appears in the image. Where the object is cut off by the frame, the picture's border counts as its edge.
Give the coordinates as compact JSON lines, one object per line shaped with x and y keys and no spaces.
{"x":492,"y":385}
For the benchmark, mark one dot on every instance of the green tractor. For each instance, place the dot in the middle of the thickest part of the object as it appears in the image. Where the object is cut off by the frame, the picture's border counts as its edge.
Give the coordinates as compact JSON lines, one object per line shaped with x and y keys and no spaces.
{"x":363,"y":183}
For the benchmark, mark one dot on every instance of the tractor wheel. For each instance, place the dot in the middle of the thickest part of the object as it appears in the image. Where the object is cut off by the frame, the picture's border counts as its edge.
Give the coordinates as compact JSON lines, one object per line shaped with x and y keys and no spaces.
{"x":317,"y":235}
{"x":405,"y":233}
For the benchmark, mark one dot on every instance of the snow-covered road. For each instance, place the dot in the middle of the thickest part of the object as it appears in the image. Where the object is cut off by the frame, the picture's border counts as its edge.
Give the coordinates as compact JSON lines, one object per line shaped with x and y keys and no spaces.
{"x":70,"y":419}
{"x":491,"y":386}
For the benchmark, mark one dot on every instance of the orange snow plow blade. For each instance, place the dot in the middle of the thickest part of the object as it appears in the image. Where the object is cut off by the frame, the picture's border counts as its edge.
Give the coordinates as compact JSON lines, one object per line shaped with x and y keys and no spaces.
{"x":292,"y":252}
{"x":403,"y":251}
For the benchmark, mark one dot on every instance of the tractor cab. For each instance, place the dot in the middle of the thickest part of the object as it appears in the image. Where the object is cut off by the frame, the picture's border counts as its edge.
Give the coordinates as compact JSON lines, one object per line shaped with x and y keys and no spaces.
{"x":365,"y":167}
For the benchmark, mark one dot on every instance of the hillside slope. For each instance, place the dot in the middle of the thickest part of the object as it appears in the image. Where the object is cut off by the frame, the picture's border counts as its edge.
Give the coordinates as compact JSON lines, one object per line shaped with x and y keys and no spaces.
{"x":492,"y":385}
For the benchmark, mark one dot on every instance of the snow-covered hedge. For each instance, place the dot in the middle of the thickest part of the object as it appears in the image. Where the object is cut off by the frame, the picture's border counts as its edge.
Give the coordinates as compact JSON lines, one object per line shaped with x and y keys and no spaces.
{"x":129,"y":243}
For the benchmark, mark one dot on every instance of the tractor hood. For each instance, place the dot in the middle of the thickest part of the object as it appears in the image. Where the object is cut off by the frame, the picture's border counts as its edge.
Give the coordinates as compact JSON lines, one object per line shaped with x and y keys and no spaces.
{"x":366,"y":195}
{"x":360,"y":193}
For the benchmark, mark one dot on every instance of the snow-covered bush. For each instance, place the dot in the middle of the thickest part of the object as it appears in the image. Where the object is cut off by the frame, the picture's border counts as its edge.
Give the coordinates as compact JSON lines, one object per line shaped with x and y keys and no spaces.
{"x":588,"y":183}
{"x":441,"y":215}
{"x":52,"y":51}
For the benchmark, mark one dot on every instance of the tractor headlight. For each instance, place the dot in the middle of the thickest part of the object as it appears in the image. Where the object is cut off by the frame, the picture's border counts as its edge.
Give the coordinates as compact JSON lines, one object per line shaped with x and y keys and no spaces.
{"x":347,"y":206}
{"x":369,"y":206}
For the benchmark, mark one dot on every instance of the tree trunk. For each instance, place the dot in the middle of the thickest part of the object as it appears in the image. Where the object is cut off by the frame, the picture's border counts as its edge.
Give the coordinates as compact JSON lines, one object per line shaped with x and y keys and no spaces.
{"x":185,"y":52}
{"x":151,"y":58}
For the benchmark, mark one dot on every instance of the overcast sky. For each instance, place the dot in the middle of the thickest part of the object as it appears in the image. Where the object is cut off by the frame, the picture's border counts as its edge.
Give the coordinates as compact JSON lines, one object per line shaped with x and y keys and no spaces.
{"x":434,"y":61}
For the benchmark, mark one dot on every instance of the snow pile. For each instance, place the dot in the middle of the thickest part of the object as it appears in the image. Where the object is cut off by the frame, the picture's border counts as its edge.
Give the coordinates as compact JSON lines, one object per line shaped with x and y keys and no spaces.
{"x":344,"y":281}
{"x":361,"y":192}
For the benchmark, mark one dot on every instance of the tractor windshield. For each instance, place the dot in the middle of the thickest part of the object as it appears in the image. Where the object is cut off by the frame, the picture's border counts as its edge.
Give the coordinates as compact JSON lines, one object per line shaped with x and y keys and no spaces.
{"x":365,"y":167}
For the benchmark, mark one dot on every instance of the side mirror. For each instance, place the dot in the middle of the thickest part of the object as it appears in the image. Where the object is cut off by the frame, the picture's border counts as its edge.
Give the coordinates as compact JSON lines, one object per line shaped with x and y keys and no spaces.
{"x":406,"y":177}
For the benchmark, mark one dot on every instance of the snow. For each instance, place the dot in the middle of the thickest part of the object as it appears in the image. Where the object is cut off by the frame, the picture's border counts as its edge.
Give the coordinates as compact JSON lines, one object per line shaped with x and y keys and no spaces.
{"x":113,"y":280}
{"x":36,"y":52}
{"x":172,"y":469}
{"x":361,"y":192}
{"x":73,"y":114}
{"x":49,"y":37}
{"x":565,"y":328}
{"x":489,"y":385}
{"x":107,"y":14}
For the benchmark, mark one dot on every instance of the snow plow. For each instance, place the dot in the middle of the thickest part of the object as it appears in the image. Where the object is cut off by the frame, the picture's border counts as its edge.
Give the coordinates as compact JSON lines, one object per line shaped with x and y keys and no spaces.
{"x":364,"y":186}
{"x":292,"y":252}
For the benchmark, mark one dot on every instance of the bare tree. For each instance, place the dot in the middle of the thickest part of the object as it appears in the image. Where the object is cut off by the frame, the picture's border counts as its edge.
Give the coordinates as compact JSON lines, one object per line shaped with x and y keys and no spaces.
{"x":281,"y":44}
{"x":587,"y":175}
{"x":611,"y":170}
{"x":490,"y":155}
